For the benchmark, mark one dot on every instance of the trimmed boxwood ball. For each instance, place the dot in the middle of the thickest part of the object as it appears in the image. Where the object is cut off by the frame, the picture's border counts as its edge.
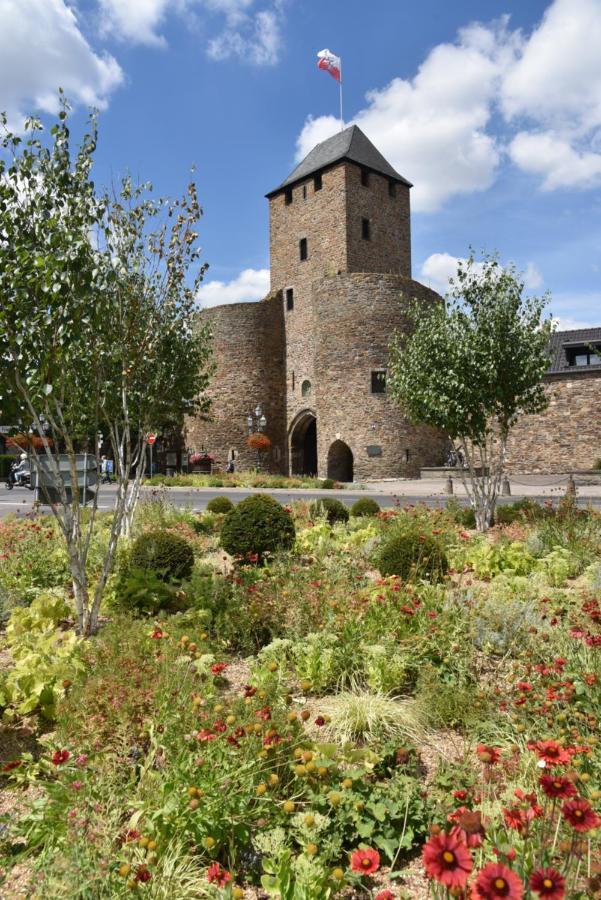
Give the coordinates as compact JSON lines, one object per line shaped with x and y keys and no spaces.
{"x":412,"y":556}
{"x":257,"y":526}
{"x":335,"y":510}
{"x":366,"y":506}
{"x":168,"y":555}
{"x":220,"y":505}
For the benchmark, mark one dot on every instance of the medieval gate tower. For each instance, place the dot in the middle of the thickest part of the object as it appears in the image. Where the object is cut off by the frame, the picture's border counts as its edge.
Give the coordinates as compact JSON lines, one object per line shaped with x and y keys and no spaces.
{"x":314,"y":352}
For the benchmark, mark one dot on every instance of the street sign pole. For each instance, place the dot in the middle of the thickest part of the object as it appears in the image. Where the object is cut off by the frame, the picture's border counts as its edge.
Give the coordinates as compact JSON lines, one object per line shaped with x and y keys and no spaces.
{"x":151,"y":460}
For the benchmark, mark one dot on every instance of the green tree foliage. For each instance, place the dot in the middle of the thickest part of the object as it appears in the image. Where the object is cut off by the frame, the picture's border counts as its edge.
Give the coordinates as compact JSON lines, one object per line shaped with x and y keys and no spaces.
{"x":471,"y":366}
{"x":97,"y":322}
{"x":256,"y":527}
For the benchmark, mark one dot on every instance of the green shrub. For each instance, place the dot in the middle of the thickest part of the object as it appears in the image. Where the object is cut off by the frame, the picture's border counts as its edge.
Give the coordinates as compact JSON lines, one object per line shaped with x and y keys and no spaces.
{"x":412,"y":555}
{"x":220,"y":505}
{"x":6,"y":460}
{"x":462,"y":515}
{"x":519,"y":511}
{"x":168,"y":555}
{"x":334,"y":510}
{"x":366,"y":506}
{"x":257,"y":526}
{"x":143,"y":592}
{"x":328,"y":483}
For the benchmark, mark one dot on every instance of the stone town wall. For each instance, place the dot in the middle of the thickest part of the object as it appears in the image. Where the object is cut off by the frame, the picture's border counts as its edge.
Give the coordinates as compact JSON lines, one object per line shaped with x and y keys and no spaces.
{"x":249,"y":353}
{"x":389,"y":248}
{"x":357,"y":315}
{"x":567,"y":435}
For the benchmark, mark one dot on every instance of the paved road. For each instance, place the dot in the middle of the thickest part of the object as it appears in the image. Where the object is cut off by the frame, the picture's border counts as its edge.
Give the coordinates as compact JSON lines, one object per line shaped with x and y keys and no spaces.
{"x":20,"y":500}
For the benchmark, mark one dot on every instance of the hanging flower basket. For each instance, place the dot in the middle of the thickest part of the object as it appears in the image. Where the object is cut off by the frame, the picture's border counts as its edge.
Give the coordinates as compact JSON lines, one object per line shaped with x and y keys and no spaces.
{"x":201,"y":463}
{"x":259,"y":442}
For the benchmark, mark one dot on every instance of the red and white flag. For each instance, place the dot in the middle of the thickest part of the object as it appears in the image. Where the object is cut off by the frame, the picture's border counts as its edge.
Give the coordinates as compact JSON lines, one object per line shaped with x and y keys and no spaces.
{"x":330,"y":63}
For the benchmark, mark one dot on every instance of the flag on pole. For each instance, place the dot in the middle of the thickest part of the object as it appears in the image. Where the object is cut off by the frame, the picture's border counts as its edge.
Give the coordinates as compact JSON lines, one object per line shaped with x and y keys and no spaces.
{"x":327,"y":61}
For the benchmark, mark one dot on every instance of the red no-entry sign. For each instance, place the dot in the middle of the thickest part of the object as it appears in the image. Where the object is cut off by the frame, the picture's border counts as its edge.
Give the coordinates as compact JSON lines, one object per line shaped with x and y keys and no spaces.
{"x":150,"y":439}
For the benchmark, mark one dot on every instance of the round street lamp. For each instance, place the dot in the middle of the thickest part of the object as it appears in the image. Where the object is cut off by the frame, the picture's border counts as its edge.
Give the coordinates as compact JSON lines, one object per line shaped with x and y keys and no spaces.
{"x":256,"y":424}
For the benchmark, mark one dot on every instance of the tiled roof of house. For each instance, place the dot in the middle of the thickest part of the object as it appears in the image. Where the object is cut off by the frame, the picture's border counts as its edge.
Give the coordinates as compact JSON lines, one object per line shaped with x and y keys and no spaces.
{"x":350,"y":144}
{"x":562,"y":341}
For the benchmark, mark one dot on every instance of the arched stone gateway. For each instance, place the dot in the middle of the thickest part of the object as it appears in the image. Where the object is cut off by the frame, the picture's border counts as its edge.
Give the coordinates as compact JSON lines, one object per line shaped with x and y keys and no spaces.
{"x":340,"y":462}
{"x":303,"y":444}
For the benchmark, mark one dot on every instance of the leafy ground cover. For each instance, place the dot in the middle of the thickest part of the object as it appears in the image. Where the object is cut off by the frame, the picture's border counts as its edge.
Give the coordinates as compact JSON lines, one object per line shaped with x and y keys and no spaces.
{"x":248,"y":478}
{"x":297,"y":724}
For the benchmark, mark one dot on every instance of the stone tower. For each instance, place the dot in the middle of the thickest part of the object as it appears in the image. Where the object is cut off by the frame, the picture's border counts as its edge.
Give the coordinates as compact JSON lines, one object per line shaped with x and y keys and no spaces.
{"x":340,"y":250}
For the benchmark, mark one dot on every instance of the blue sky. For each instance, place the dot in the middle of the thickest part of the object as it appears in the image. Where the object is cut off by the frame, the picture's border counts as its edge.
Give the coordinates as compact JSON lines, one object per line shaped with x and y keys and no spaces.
{"x":492,"y":110}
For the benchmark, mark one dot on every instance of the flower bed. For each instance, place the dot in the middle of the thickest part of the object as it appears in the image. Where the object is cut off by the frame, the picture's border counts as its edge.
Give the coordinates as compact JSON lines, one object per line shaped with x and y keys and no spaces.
{"x":303,"y":726}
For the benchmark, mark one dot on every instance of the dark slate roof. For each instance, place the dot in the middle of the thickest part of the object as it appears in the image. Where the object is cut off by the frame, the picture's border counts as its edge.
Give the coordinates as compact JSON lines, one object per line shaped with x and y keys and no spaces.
{"x":561,"y":341}
{"x":350,"y":144}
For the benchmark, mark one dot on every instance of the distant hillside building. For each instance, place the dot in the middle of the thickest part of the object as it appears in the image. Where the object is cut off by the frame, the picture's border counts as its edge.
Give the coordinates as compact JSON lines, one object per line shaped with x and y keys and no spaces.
{"x":314,"y":352}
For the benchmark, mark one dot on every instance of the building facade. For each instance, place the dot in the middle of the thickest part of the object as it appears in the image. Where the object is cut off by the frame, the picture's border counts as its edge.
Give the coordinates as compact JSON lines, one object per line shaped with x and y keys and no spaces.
{"x":314,"y":353}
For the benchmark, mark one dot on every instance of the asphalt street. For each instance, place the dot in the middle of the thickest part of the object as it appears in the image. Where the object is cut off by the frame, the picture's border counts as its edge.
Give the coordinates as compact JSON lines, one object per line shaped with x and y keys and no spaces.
{"x":20,"y":500}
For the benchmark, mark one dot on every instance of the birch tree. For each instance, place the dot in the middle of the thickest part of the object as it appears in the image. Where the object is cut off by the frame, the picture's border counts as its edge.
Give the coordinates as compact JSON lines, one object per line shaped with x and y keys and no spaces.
{"x":471,"y":366}
{"x":97,"y":325}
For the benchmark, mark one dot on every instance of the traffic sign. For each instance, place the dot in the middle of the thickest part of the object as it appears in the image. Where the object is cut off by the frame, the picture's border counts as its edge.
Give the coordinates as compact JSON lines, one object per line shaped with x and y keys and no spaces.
{"x":151,"y":438}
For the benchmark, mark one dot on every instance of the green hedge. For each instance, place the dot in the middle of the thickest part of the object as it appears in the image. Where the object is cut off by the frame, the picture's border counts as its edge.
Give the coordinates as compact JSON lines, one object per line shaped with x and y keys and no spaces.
{"x":257,"y":526}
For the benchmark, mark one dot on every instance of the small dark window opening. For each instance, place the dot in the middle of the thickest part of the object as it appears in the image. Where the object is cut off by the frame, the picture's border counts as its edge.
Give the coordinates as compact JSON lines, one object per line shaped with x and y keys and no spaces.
{"x":289,"y":299}
{"x":302,"y":248}
{"x":317,"y":182}
{"x":392,"y":188}
{"x":365,"y":230}
{"x":378,"y":382}
{"x":288,"y":196}
{"x":304,"y":191}
{"x":364,"y":177}
{"x":407,"y":455}
{"x":293,"y":381}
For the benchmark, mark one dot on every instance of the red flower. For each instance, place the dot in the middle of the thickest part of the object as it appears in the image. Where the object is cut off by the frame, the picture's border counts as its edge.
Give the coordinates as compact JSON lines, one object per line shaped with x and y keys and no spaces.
{"x":488,"y":755}
{"x":557,"y":786}
{"x":468,"y":827}
{"x":142,"y":874}
{"x":447,"y":859}
{"x":496,"y":880}
{"x":217,"y":875}
{"x":581,"y":815}
{"x":385,"y":895}
{"x":249,"y":690}
{"x":13,"y":764}
{"x":320,"y":721}
{"x":515,"y":818}
{"x":548,"y":883}
{"x":60,"y":756}
{"x":551,"y":752}
{"x":366,"y":861}
{"x":218,"y":668}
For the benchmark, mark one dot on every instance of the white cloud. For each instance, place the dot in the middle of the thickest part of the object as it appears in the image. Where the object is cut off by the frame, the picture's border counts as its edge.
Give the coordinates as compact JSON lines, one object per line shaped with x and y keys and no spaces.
{"x":432,"y":129}
{"x":42,"y":49}
{"x":438,"y":268}
{"x":555,"y":159}
{"x":436,"y":127}
{"x":252,"y":36}
{"x":566,"y":324}
{"x":250,"y":285}
{"x":134,"y":20}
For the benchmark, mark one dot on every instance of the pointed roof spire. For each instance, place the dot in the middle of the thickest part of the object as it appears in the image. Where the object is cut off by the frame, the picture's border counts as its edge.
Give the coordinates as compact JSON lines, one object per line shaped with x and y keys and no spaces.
{"x":350,"y":144}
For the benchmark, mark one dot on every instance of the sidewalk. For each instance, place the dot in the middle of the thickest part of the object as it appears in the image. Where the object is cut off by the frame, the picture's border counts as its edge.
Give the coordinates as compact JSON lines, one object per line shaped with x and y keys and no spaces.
{"x":552,"y":486}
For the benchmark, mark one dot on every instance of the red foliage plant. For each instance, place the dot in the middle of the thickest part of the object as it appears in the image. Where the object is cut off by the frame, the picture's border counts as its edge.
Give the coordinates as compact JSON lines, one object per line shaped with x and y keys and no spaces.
{"x":259,"y":442}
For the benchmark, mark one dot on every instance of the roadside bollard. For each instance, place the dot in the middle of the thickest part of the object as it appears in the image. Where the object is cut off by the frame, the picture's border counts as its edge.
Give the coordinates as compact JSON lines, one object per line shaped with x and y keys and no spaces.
{"x":571,"y":488}
{"x":506,"y":487}
{"x":449,"y":485}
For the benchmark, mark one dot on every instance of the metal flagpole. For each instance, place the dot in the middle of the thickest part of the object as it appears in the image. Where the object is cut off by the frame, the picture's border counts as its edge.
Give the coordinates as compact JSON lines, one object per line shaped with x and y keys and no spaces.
{"x":340,"y":84}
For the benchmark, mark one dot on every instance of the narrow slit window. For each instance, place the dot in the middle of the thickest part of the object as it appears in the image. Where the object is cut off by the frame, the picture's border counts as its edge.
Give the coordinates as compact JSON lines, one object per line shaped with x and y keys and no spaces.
{"x":289,"y":299}
{"x":304,"y":191}
{"x":392,"y":189}
{"x":365,"y":177}
{"x":317,"y":183}
{"x":302,"y":249}
{"x":378,"y":381}
{"x":288,"y":196}
{"x":365,"y":230}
